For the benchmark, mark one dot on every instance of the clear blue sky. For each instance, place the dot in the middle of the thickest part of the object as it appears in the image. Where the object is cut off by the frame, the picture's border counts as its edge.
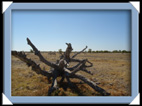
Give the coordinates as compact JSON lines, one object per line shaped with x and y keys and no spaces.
{"x":50,"y":30}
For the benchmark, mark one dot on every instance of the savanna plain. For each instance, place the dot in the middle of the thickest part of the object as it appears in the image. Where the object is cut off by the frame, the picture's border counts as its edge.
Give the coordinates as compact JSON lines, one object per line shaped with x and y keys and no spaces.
{"x":111,"y":71}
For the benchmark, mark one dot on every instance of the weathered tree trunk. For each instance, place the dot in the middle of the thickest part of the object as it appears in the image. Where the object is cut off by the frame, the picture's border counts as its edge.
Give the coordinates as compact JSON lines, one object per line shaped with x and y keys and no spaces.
{"x":60,"y":68}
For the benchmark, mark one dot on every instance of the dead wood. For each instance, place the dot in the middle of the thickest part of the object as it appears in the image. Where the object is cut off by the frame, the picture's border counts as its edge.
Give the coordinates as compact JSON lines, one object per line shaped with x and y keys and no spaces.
{"x":60,"y":68}
{"x":91,"y":84}
{"x":79,"y":52}
{"x":37,"y":52}
{"x":36,"y":68}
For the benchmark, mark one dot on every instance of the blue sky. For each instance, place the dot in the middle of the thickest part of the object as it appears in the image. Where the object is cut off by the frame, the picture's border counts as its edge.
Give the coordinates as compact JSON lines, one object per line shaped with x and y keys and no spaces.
{"x":50,"y":30}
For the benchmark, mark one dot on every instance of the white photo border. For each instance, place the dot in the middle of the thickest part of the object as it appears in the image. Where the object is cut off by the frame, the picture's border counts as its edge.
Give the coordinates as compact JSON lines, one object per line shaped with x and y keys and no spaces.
{"x":72,"y":99}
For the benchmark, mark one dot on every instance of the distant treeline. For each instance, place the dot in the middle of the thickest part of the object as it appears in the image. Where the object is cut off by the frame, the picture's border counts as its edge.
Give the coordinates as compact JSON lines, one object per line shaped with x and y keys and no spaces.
{"x":100,"y":51}
{"x":106,"y":51}
{"x":89,"y":51}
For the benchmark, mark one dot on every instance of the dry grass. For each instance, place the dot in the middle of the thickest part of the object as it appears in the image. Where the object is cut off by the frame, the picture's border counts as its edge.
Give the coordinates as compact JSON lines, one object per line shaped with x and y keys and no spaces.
{"x":112,"y":72}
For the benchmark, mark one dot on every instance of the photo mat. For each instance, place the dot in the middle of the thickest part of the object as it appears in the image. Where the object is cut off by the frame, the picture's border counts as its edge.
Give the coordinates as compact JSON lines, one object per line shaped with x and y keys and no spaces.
{"x":132,"y":81}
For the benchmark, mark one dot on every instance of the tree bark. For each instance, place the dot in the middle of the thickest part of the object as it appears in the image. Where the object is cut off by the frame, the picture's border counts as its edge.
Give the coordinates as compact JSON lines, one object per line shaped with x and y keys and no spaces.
{"x":31,"y":63}
{"x":91,"y":84}
{"x":40,"y":56}
{"x":89,"y":72}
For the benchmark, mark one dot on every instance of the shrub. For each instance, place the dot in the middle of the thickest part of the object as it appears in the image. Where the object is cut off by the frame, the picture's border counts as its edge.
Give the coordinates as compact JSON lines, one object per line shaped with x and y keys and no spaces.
{"x":124,"y":51}
{"x":115,"y":51}
{"x":105,"y":51}
{"x":89,"y":50}
{"x":60,"y":51}
{"x":31,"y":51}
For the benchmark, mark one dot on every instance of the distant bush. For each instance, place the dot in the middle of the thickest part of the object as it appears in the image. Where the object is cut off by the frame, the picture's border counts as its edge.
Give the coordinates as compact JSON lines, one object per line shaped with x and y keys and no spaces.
{"x":93,"y":51}
{"x":31,"y":51}
{"x":99,"y":51}
{"x":89,"y":50}
{"x":115,"y":51}
{"x":60,"y":51}
{"x":124,"y":51}
{"x":128,"y":51}
{"x":120,"y":51}
{"x":106,"y":51}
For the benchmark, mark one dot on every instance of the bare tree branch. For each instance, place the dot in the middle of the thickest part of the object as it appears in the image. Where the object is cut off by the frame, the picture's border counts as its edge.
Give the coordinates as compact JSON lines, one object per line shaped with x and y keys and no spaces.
{"x":89,"y":63}
{"x":35,"y":67}
{"x":72,"y":68}
{"x":79,"y":67}
{"x":75,"y":60}
{"x":53,"y":86}
{"x":91,"y":84}
{"x":79,"y":52}
{"x":40,"y":56}
{"x":68,"y":51}
{"x":54,"y":82}
{"x":89,"y":72}
{"x":82,"y":67}
{"x":62,"y":79}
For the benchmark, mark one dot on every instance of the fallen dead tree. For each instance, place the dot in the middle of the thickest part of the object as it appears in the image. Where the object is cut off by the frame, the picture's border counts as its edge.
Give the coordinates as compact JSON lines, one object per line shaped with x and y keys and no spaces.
{"x":60,"y":68}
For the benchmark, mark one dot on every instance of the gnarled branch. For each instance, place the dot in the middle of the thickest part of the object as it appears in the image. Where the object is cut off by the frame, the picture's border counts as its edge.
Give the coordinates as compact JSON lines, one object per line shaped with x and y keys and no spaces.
{"x":35,"y":67}
{"x":40,"y":56}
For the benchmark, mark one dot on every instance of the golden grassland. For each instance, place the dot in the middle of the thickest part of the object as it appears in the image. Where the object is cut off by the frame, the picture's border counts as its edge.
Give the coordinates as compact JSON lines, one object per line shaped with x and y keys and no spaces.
{"x":112,"y":72}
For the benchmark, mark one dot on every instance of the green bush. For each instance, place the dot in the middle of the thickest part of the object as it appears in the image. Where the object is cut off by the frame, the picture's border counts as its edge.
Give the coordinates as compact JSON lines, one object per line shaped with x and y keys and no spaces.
{"x":89,"y":50}
{"x":31,"y":51}
{"x":60,"y":51}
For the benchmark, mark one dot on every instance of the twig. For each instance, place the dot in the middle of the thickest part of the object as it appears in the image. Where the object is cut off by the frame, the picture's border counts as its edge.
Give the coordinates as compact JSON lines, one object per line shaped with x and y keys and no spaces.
{"x":79,"y":52}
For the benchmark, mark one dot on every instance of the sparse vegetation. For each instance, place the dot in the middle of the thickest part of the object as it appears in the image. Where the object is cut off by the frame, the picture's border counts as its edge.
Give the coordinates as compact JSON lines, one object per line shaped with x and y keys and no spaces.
{"x":60,"y":68}
{"x":112,"y":71}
